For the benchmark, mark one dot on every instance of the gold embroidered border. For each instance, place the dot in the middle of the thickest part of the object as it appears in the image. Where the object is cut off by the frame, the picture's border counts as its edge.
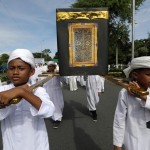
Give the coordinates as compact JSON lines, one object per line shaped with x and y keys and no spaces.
{"x":87,"y":15}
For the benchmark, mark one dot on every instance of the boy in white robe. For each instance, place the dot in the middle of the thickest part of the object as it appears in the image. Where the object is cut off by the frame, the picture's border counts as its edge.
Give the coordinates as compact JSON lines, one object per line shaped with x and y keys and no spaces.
{"x":131,"y":128}
{"x":22,"y":124}
{"x":93,"y":91}
{"x":54,"y":89}
{"x":73,"y":83}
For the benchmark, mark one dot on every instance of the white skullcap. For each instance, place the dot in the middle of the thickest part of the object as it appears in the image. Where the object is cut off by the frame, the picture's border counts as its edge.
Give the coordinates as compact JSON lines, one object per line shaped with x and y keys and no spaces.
{"x":23,"y":54}
{"x":137,"y":63}
{"x":51,"y":63}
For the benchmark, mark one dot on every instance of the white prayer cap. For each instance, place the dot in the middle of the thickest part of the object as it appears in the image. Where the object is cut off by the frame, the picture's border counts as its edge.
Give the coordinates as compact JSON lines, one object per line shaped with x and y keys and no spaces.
{"x":137,"y":63}
{"x":23,"y":54}
{"x":51,"y":63}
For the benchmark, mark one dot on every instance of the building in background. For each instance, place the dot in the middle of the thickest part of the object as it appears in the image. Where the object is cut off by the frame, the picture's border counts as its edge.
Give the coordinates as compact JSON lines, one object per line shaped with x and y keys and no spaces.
{"x":39,"y":61}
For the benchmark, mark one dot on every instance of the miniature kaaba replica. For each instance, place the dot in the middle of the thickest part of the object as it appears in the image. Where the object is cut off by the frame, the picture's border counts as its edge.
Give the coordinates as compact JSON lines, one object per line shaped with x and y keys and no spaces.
{"x":82,"y":38}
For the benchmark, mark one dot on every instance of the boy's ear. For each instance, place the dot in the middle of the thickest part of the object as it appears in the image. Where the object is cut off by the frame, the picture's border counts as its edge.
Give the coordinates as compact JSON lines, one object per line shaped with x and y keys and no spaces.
{"x":32,"y":72}
{"x":134,"y":74}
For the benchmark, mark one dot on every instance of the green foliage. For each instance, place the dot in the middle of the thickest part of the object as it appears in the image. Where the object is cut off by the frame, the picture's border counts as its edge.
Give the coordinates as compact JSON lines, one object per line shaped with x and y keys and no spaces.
{"x":37,"y":55}
{"x":46,"y":51}
{"x":47,"y":57}
{"x":3,"y":59}
{"x":4,"y":77}
{"x":56,"y":55}
{"x":142,"y":47}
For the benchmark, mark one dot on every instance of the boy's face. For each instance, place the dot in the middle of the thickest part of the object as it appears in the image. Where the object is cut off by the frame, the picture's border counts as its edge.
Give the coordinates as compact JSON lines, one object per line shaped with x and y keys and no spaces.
{"x":19,"y":72}
{"x":142,"y":77}
{"x":51,"y":68}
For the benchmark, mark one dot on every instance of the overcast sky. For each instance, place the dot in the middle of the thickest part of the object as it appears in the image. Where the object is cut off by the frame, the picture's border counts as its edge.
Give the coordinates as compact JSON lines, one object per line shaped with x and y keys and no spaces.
{"x":31,"y":24}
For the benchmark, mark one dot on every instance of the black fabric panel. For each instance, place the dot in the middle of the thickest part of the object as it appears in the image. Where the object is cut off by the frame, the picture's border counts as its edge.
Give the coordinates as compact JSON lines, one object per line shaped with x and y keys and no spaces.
{"x":63,"y":46}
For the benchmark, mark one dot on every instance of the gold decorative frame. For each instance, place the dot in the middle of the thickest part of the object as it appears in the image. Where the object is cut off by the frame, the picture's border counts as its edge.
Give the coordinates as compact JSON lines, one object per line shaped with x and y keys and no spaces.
{"x":87,"y":15}
{"x":87,"y":55}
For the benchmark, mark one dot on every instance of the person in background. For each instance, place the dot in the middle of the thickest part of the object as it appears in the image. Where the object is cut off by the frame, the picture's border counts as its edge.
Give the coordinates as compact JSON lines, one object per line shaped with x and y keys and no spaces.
{"x":57,"y":67}
{"x":39,"y":70}
{"x":102,"y":83}
{"x":22,"y":124}
{"x":93,"y":91}
{"x":73,"y":83}
{"x":81,"y":80}
{"x":131,"y":127}
{"x":54,"y":89}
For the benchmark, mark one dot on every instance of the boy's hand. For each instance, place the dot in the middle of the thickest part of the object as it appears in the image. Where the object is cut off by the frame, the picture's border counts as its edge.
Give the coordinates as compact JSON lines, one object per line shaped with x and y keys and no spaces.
{"x":7,"y":96}
{"x":134,"y":85}
{"x":117,"y":148}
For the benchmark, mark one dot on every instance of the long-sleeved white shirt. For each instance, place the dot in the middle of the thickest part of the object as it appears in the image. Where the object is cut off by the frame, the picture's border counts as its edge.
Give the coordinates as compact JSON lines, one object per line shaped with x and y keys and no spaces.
{"x":129,"y":128}
{"x":23,"y":126}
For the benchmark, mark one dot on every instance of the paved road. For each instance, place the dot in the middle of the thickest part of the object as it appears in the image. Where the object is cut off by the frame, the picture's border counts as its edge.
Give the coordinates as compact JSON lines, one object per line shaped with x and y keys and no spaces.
{"x":77,"y":130}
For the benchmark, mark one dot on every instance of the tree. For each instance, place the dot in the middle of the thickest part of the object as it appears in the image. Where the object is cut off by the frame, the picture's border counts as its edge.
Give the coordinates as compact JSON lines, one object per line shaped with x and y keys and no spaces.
{"x":120,"y":15}
{"x":37,"y":55}
{"x":142,"y":47}
{"x":44,"y":54}
{"x":46,"y":51}
{"x":148,"y":43}
{"x":4,"y":59}
{"x":56,"y":55}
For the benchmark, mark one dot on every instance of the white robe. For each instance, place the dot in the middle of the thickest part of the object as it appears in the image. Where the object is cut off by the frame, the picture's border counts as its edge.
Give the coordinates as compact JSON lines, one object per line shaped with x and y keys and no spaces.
{"x":93,"y":86}
{"x":129,"y":128}
{"x":66,"y":79}
{"x":54,"y":89}
{"x":23,"y":126}
{"x":34,"y":78}
{"x":81,"y":80}
{"x":102,"y":83}
{"x":73,"y":83}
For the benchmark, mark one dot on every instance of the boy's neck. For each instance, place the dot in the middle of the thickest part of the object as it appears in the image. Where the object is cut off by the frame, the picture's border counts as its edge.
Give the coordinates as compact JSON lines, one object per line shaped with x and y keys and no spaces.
{"x":21,"y":84}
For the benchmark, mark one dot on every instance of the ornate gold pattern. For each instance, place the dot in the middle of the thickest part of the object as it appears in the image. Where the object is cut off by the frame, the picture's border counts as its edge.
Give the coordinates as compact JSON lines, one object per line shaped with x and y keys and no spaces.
{"x":82,"y":44}
{"x":88,"y":15}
